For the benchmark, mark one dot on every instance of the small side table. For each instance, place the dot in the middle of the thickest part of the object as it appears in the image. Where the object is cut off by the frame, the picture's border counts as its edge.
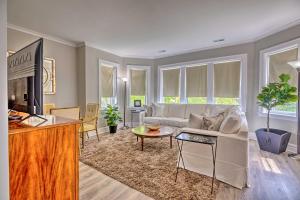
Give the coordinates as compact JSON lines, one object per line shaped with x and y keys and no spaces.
{"x":132,"y":112}
{"x":198,"y":138}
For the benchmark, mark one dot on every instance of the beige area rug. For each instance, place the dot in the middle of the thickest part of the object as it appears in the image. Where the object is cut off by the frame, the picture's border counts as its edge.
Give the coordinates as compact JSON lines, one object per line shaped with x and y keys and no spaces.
{"x":151,"y":171}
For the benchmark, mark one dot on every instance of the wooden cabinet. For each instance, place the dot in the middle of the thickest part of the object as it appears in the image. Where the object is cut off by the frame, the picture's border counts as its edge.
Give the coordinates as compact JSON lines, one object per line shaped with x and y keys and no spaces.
{"x":43,"y":160}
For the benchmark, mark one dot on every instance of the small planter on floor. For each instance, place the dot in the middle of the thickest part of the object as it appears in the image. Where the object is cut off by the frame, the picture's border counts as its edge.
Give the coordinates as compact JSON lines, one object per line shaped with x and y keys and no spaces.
{"x":274,"y":141}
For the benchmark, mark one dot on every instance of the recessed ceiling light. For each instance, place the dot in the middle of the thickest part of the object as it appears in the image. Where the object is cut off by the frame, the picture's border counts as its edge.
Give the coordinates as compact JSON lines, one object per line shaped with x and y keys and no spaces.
{"x":162,"y":51}
{"x":219,"y":40}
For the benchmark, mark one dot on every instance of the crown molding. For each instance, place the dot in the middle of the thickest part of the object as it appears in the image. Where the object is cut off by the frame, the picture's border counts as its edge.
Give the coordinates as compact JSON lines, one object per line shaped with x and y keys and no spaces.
{"x":42,"y":35}
{"x":275,"y":30}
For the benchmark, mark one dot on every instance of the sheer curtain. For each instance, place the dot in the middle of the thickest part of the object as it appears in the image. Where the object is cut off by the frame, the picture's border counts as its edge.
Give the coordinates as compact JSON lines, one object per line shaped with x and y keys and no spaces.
{"x":196,"y":81}
{"x":106,"y":80}
{"x":227,"y":79}
{"x":171,"y":82}
{"x":138,"y":82}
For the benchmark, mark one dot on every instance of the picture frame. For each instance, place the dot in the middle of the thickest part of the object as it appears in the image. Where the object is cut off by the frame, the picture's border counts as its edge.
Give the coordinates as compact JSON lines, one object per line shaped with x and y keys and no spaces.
{"x":137,"y":103}
{"x":49,"y":76}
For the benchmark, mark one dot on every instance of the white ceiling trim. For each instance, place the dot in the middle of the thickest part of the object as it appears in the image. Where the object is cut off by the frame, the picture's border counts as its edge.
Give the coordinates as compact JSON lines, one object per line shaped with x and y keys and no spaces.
{"x":69,"y":43}
{"x":278,"y":29}
{"x":42,"y":35}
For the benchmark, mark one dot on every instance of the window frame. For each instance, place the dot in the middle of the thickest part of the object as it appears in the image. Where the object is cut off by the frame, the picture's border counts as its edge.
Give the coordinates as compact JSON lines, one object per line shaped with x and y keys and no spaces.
{"x":115,"y":66}
{"x":148,"y":83}
{"x":210,"y":77}
{"x":264,"y":58}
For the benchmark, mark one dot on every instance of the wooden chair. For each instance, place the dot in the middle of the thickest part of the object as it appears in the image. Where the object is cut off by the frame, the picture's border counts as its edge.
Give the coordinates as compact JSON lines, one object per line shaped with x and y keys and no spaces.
{"x":89,"y":121}
{"x":70,"y":113}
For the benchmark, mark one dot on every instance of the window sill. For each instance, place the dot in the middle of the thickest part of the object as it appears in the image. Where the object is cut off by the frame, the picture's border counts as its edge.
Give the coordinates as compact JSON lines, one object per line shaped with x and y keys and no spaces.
{"x":279,"y":116}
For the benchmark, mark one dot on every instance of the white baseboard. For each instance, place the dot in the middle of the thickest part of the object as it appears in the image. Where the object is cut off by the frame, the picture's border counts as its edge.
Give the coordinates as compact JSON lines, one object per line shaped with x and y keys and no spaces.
{"x":290,"y":148}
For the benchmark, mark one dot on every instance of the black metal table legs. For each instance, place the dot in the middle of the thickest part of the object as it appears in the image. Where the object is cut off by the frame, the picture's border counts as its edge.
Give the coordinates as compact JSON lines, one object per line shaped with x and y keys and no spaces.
{"x":179,"y":158}
{"x":214,"y":155}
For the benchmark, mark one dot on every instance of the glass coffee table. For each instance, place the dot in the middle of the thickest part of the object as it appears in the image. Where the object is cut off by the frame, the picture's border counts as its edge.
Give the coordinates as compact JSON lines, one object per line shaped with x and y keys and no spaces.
{"x":143,"y":132}
{"x":198,"y":138}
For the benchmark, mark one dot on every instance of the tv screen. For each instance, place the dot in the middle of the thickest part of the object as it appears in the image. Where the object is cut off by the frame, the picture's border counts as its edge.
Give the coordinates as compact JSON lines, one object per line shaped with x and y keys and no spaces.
{"x":19,"y":95}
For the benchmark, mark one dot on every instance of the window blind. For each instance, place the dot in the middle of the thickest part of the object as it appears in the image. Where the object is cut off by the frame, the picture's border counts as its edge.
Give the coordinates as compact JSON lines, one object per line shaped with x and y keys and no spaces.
{"x":138,"y":82}
{"x":278,"y":64}
{"x":227,"y":79}
{"x":196,"y":81}
{"x":106,"y":80}
{"x":171,"y":82}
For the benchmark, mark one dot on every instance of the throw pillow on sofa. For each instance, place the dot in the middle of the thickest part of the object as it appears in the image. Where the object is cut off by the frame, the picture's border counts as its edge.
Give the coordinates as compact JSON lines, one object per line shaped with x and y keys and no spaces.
{"x":232,"y":122}
{"x":213,"y":123}
{"x":195,"y":121}
{"x":158,"y":110}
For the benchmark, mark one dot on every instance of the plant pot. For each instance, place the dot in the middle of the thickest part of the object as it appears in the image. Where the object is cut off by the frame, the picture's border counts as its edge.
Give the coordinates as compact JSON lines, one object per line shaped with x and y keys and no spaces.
{"x":274,"y":141}
{"x":113,"y":129}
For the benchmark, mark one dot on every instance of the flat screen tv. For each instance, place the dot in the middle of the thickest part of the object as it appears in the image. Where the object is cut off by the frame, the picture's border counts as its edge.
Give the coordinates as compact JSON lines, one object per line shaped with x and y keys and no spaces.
{"x":25,"y":79}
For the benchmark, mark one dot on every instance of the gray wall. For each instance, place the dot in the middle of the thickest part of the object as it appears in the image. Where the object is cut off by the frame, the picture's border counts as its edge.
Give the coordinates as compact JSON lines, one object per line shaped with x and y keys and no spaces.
{"x":252,"y":50}
{"x":4,"y":180}
{"x":66,"y":66}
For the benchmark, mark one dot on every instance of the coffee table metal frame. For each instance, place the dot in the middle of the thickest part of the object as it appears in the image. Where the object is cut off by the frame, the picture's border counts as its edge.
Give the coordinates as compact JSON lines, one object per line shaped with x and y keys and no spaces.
{"x":202,"y":139}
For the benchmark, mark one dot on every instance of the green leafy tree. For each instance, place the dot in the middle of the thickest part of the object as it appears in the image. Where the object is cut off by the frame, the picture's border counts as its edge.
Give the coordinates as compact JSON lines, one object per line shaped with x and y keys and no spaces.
{"x":277,"y":94}
{"x":112,"y":115}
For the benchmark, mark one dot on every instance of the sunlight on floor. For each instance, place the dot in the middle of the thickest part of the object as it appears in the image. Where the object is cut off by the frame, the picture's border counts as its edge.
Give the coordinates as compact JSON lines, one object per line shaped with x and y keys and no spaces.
{"x":270,"y":165}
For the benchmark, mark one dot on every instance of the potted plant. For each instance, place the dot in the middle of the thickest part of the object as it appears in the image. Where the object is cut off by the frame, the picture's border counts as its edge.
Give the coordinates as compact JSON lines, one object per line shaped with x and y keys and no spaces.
{"x":275,"y":94}
{"x":112,"y":116}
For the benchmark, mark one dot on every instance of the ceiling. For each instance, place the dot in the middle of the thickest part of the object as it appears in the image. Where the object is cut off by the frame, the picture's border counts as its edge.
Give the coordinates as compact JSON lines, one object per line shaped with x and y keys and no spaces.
{"x":143,"y":28}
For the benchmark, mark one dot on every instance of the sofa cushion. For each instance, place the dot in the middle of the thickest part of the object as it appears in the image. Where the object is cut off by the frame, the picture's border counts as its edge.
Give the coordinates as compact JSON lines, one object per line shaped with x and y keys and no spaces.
{"x":158,"y":110}
{"x":195,"y":121}
{"x":213,"y":123}
{"x":167,"y":121}
{"x":212,"y":109}
{"x":198,"y":109}
{"x":176,"y":110}
{"x":173,"y":121}
{"x":200,"y":131}
{"x":232,"y":122}
{"x":152,"y":120}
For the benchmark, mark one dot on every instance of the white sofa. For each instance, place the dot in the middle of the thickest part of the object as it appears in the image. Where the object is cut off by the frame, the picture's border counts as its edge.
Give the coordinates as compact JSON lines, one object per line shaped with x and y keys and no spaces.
{"x":232,"y":151}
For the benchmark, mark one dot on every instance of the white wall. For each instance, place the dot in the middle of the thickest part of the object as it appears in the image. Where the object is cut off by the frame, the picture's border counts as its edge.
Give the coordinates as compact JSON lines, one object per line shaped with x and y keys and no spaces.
{"x":66,"y":66}
{"x":4,"y":180}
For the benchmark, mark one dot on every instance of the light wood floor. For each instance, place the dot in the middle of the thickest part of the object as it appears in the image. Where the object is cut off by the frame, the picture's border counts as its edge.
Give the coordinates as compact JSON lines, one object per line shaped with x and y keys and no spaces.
{"x":272,"y":177}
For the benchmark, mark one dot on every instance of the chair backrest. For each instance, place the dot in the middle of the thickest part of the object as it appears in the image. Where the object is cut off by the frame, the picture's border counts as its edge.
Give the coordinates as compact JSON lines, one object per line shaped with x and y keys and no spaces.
{"x":91,"y":112}
{"x":70,"y":113}
{"x":47,"y":107}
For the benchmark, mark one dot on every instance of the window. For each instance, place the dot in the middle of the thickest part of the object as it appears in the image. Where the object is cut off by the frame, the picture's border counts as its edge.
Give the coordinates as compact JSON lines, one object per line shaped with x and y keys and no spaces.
{"x":107,"y":83}
{"x":227,"y":82}
{"x":139,"y":87}
{"x":170,"y":78}
{"x":214,"y":81}
{"x":275,"y":61}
